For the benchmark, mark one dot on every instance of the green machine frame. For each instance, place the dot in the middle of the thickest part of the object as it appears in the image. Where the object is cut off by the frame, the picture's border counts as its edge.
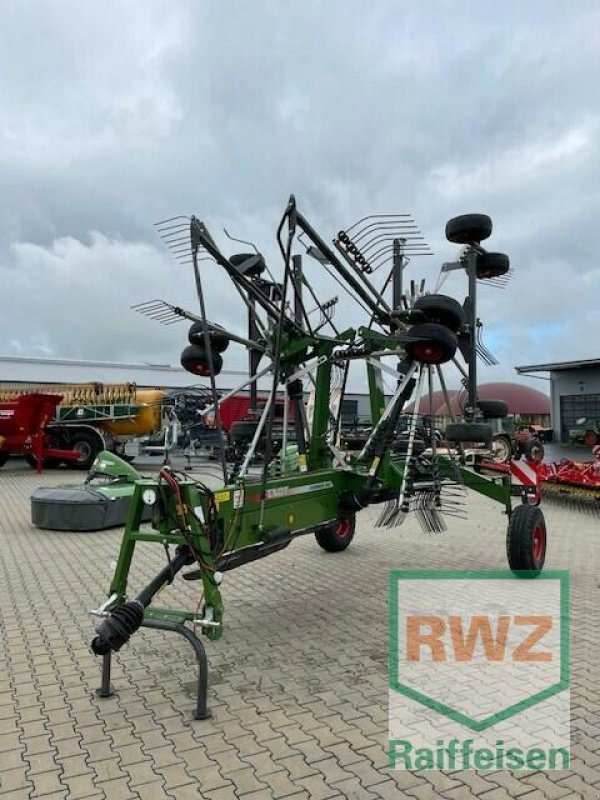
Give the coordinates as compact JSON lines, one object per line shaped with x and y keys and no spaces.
{"x":255,"y":513}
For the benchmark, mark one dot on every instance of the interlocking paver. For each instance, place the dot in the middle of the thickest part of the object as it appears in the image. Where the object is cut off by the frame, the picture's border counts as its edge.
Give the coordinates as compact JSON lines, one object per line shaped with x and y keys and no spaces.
{"x":299,"y":710}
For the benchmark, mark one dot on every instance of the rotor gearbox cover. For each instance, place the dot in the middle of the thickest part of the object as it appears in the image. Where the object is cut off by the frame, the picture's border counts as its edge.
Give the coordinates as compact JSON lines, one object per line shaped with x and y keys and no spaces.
{"x":441,"y":309}
{"x":431,"y":343}
{"x":194,"y":359}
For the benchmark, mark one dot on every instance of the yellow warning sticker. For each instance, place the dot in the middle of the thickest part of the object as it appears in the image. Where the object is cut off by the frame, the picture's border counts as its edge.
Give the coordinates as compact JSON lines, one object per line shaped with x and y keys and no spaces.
{"x":222,"y":497}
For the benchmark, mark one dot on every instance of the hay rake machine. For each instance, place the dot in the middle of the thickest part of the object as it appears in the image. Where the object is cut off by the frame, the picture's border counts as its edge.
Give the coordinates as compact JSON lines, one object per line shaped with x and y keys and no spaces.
{"x":257,"y":512}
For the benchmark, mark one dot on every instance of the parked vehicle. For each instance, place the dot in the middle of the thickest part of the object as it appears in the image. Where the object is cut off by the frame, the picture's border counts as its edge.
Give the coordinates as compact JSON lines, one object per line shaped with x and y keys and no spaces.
{"x":49,"y":428}
{"x":586,"y":432}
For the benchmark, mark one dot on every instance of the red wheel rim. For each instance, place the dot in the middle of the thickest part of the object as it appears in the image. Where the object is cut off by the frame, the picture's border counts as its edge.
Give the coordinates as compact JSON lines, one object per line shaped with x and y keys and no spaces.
{"x":539,"y":543}
{"x":343,"y":528}
{"x":427,"y":352}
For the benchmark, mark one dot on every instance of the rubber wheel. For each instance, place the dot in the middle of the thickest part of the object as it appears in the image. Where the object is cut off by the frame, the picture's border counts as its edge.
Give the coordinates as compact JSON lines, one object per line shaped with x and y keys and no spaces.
{"x":433,"y":343}
{"x":502,"y":449}
{"x":4,"y":456}
{"x":492,"y":265}
{"x":493,"y":409}
{"x":250,"y":264}
{"x":442,"y":309}
{"x":195,"y":360}
{"x":88,"y":447}
{"x":526,"y":541}
{"x":47,"y":463}
{"x":468,"y":432}
{"x":400,"y":446}
{"x":533,"y":450}
{"x":468,"y":228}
{"x":219,"y":341}
{"x":338,"y":536}
{"x":243,"y":430}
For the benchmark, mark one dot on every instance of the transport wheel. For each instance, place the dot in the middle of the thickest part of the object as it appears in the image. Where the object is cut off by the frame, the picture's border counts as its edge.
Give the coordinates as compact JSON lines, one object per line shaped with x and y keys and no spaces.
{"x":526,"y":540}
{"x":533,"y":449}
{"x":4,"y":456}
{"x":338,"y":536}
{"x":195,"y":360}
{"x":47,"y":463}
{"x":493,"y":409}
{"x":219,"y":341}
{"x":492,"y":265}
{"x":468,"y":228}
{"x":86,"y":444}
{"x":432,"y":343}
{"x":243,"y":430}
{"x":468,"y":432}
{"x":250,"y":264}
{"x":441,"y":309}
{"x":501,"y":449}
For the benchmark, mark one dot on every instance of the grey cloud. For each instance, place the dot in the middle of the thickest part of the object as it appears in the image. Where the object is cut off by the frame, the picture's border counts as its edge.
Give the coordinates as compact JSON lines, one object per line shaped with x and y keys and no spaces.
{"x":113,"y":116}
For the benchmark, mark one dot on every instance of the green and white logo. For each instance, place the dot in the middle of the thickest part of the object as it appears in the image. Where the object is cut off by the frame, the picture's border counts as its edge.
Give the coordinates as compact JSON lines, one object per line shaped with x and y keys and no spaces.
{"x":479,"y":670}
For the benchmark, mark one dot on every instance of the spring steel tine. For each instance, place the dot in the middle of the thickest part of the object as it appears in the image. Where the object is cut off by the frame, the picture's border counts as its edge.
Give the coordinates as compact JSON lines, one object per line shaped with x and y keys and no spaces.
{"x":394,"y":220}
{"x":171,"y":219}
{"x":381,"y":238}
{"x":368,"y":235}
{"x":147,"y":304}
{"x":378,"y":216}
{"x":175,"y":244}
{"x":173,"y":230}
{"x":383,"y":235}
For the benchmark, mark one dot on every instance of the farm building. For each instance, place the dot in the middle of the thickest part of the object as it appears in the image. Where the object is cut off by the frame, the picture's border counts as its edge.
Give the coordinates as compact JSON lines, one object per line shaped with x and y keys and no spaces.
{"x":574,"y":392}
{"x":528,"y":404}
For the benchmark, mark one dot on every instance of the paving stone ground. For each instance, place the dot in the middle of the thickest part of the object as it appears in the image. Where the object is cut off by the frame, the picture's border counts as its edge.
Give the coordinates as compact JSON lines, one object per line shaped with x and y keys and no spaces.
{"x":298,"y":684}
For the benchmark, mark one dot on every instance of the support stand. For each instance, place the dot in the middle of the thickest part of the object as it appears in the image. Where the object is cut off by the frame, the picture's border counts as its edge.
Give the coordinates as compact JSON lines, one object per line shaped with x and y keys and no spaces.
{"x":201,"y":711}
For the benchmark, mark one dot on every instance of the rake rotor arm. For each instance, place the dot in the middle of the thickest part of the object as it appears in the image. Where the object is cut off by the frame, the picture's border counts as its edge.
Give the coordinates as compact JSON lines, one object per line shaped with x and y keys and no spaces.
{"x":342,"y":270}
{"x":200,"y":235}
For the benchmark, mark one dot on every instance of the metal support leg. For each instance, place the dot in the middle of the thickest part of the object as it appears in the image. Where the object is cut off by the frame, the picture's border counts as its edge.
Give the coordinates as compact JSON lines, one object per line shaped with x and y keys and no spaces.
{"x":201,"y":711}
{"x":105,"y":690}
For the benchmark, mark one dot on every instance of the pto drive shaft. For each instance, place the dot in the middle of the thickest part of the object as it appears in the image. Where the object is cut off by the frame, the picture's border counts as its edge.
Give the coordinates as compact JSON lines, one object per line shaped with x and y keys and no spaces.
{"x":123,"y":622}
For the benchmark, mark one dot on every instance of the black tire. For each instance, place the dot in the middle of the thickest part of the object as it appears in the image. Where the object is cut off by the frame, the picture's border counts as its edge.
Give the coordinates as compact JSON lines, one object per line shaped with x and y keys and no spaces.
{"x":533,"y":449}
{"x":526,"y":541}
{"x":4,"y":456}
{"x":338,"y":536}
{"x":47,"y":463}
{"x":432,"y":343}
{"x":219,"y":341}
{"x":195,"y":360}
{"x":468,"y":432}
{"x":243,"y":430}
{"x":492,"y":265}
{"x":493,"y":409}
{"x":502,"y":449}
{"x":468,"y":228}
{"x":400,"y":446}
{"x":441,"y":309}
{"x":249,"y":264}
{"x":89,"y":445}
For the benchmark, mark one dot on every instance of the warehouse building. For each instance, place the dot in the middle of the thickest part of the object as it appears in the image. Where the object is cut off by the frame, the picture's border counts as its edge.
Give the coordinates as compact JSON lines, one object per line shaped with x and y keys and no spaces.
{"x":574,"y":392}
{"x":19,"y":371}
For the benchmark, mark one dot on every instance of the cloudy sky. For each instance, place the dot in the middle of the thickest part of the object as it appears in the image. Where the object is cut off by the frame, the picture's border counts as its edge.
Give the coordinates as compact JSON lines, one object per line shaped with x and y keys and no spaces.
{"x":117,"y":114}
